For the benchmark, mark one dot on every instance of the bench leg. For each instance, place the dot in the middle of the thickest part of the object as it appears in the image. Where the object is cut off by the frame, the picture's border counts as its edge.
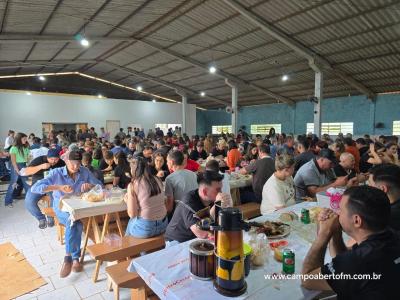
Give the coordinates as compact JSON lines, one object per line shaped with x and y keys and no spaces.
{"x":116,"y":292}
{"x":89,"y":223}
{"x":96,"y":271}
{"x":139,"y":294}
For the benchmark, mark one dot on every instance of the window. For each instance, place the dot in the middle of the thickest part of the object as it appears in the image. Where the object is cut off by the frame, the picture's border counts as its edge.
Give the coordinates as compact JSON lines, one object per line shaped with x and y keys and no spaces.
{"x":165,"y":127}
{"x":332,"y":128}
{"x":219,"y":129}
{"x":396,"y":127}
{"x":264,"y":128}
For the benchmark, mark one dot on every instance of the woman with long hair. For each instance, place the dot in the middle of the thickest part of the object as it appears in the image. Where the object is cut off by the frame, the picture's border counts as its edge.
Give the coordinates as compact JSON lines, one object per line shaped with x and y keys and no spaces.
{"x":145,"y":200}
{"x":159,"y":167}
{"x":19,"y":154}
{"x":122,"y":171}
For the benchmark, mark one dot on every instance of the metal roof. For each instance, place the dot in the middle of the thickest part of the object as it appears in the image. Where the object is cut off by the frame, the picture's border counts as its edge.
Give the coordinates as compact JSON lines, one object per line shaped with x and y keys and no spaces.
{"x":165,"y":45}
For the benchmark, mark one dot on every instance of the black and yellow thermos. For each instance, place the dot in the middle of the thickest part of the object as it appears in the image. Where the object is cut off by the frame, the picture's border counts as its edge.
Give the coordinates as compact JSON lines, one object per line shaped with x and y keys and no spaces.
{"x":229,"y":271}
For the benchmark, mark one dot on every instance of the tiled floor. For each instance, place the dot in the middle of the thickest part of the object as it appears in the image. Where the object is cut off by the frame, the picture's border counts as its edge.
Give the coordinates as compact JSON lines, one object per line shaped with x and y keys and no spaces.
{"x":45,"y":254}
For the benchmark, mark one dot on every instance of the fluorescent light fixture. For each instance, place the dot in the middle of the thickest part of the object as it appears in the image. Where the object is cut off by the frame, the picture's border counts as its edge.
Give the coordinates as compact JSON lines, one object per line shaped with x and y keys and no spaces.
{"x":285,"y":77}
{"x":99,"y":96}
{"x":42,"y":78}
{"x":28,"y":93}
{"x":212,"y":70}
{"x":202,"y":94}
{"x":139,"y":88}
{"x":85,"y":42}
{"x":154,"y":101}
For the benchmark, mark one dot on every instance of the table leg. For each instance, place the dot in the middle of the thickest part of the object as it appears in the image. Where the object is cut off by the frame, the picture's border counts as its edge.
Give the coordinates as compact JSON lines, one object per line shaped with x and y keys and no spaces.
{"x":139,"y":294}
{"x":105,"y":227}
{"x":119,"y":225}
{"x":96,"y":231}
{"x":86,"y":239}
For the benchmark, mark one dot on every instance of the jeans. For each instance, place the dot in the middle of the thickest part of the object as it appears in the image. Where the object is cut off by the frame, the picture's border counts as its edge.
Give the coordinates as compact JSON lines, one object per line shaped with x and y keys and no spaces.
{"x":142,"y":228}
{"x":13,"y":180}
{"x":31,"y":204}
{"x":73,"y":232}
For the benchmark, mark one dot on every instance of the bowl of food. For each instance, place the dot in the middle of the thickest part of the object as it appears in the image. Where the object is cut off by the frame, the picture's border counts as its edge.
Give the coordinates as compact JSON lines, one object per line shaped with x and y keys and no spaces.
{"x":274,"y":229}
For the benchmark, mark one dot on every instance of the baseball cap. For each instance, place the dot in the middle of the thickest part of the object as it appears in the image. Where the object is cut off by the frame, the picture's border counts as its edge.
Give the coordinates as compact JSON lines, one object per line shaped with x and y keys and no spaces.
{"x":74,"y":155}
{"x":328,"y":154}
{"x":53,"y":153}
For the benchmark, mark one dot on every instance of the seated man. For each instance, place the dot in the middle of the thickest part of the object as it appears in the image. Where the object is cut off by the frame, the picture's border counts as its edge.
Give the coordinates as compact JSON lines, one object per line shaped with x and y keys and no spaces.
{"x":183,"y":224}
{"x":36,"y":168}
{"x":180,"y":182}
{"x":364,"y":216}
{"x":311,"y":178}
{"x":198,"y":153}
{"x":386,"y":177}
{"x":73,"y":178}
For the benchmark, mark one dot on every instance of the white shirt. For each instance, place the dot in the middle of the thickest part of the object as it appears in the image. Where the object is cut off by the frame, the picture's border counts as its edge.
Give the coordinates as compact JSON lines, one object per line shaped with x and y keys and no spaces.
{"x":226,"y":188}
{"x":39,"y":152}
{"x":277,"y":193}
{"x":8,"y":142}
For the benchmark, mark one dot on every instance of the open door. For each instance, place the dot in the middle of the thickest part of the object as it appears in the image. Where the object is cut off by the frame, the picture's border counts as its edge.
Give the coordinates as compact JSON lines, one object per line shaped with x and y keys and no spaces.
{"x":113,"y":126}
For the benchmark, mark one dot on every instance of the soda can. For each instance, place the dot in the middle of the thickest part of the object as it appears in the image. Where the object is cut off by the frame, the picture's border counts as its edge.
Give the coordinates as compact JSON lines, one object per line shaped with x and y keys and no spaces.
{"x":288,"y":261}
{"x":305,"y":216}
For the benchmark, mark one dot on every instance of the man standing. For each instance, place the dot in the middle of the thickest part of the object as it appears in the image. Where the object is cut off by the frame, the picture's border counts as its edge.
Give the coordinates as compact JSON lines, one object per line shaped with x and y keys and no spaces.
{"x":36,"y":168}
{"x":262,"y":169}
{"x":105,"y":136}
{"x":312,"y":177}
{"x":364,"y":216}
{"x":73,"y":178}
{"x":9,"y":140}
{"x":180,"y":182}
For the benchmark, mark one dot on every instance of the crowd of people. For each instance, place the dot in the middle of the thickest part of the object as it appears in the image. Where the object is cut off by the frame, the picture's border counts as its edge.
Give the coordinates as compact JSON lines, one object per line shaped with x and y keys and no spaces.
{"x":169,"y":177}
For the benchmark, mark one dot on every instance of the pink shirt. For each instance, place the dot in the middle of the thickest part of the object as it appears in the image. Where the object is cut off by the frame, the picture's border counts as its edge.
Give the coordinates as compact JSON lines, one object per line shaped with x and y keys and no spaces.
{"x":149,"y":208}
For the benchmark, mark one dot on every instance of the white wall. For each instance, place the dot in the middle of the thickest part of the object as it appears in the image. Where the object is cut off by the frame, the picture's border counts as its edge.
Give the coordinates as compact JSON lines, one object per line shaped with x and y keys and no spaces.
{"x":25,"y":113}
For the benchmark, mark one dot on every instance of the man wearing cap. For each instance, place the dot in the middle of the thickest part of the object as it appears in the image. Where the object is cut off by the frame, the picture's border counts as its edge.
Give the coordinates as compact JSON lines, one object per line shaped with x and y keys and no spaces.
{"x":199,"y":152}
{"x":37,"y":169}
{"x":311,"y":178}
{"x":71,"y":179}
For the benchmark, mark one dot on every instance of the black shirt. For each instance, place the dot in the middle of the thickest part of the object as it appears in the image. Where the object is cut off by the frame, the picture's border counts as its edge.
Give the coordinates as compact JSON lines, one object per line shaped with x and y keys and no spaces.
{"x":217,"y":152}
{"x":103,"y":165}
{"x":179,"y":227}
{"x":379,"y":254}
{"x":340,"y":171}
{"x":364,"y":164}
{"x":164,"y":168}
{"x":43,"y":160}
{"x":195,"y":155}
{"x":395,"y":215}
{"x":124,"y":179}
{"x":262,"y":169}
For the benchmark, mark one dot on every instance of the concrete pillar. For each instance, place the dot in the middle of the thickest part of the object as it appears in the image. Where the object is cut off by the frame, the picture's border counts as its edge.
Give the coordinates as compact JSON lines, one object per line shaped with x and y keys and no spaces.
{"x":184,"y":109}
{"x":234,"y":120}
{"x":318,"y":94}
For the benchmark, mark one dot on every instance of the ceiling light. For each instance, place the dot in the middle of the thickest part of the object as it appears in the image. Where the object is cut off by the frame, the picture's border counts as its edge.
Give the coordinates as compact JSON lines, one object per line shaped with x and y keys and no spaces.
{"x":99,"y":96}
{"x":154,"y":101}
{"x":28,"y":93}
{"x":202,"y":94}
{"x":139,"y":88}
{"x":85,"y":42}
{"x":42,"y":78}
{"x":285,"y":77}
{"x":212,"y":69}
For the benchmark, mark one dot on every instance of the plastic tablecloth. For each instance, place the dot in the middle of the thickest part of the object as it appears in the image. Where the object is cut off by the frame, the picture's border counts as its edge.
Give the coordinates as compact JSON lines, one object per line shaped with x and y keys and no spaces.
{"x":166,"y":271}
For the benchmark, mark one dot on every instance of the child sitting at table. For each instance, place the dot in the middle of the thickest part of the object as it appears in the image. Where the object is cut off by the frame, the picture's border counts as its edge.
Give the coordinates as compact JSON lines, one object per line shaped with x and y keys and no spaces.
{"x":107,"y":163}
{"x":87,"y":163}
{"x":145,"y":200}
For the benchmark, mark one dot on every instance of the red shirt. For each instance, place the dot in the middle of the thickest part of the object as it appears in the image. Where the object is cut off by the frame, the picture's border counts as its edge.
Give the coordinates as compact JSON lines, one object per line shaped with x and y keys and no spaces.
{"x":192,"y":165}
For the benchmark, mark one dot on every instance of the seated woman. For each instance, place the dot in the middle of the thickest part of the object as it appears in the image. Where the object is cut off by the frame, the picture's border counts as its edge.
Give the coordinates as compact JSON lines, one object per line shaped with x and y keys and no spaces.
{"x":159,"y":166}
{"x":278,"y":192}
{"x":145,"y":200}
{"x":122,"y":172}
{"x":233,"y":156}
{"x":107,"y":163}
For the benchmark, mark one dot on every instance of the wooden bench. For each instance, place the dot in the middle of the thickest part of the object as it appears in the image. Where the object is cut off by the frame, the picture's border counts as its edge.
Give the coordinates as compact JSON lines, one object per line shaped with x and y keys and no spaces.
{"x":130,"y":246}
{"x":250,"y":210}
{"x":121,"y":278}
{"x":48,"y":211}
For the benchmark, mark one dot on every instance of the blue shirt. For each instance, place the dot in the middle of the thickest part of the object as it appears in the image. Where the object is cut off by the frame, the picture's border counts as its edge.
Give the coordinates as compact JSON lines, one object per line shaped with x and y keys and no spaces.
{"x":59,"y":176}
{"x":116,"y":149}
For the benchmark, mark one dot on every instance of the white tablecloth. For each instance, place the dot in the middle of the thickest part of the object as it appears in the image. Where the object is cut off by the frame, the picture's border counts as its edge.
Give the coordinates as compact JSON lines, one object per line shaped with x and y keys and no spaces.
{"x":79,"y":209}
{"x":166,"y":272}
{"x":240,"y":181}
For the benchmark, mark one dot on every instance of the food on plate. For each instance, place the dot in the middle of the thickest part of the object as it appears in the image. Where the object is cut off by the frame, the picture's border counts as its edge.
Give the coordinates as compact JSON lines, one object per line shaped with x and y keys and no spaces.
{"x":314,"y":212}
{"x":278,"y":244}
{"x":92,"y":197}
{"x":272,"y":228}
{"x":288,"y":216}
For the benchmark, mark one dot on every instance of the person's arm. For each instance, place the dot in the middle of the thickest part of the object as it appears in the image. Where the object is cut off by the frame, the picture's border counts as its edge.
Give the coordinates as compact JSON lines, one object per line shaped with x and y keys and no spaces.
{"x":34,"y":169}
{"x":131,"y":202}
{"x":116,"y":181}
{"x":170,"y":195}
{"x":201,"y":234}
{"x":375,"y":159}
{"x":13,"y":159}
{"x":313,"y":190}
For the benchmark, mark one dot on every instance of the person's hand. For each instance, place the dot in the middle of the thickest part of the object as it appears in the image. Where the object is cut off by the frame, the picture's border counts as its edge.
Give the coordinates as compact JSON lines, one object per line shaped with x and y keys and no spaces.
{"x":67,"y":189}
{"x":108,"y":169}
{"x":372,"y":147}
{"x":85,"y":187}
{"x":226,"y":200}
{"x":45,"y":166}
{"x":352,"y":182}
{"x":341,"y":181}
{"x":328,"y":222}
{"x":160,"y":173}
